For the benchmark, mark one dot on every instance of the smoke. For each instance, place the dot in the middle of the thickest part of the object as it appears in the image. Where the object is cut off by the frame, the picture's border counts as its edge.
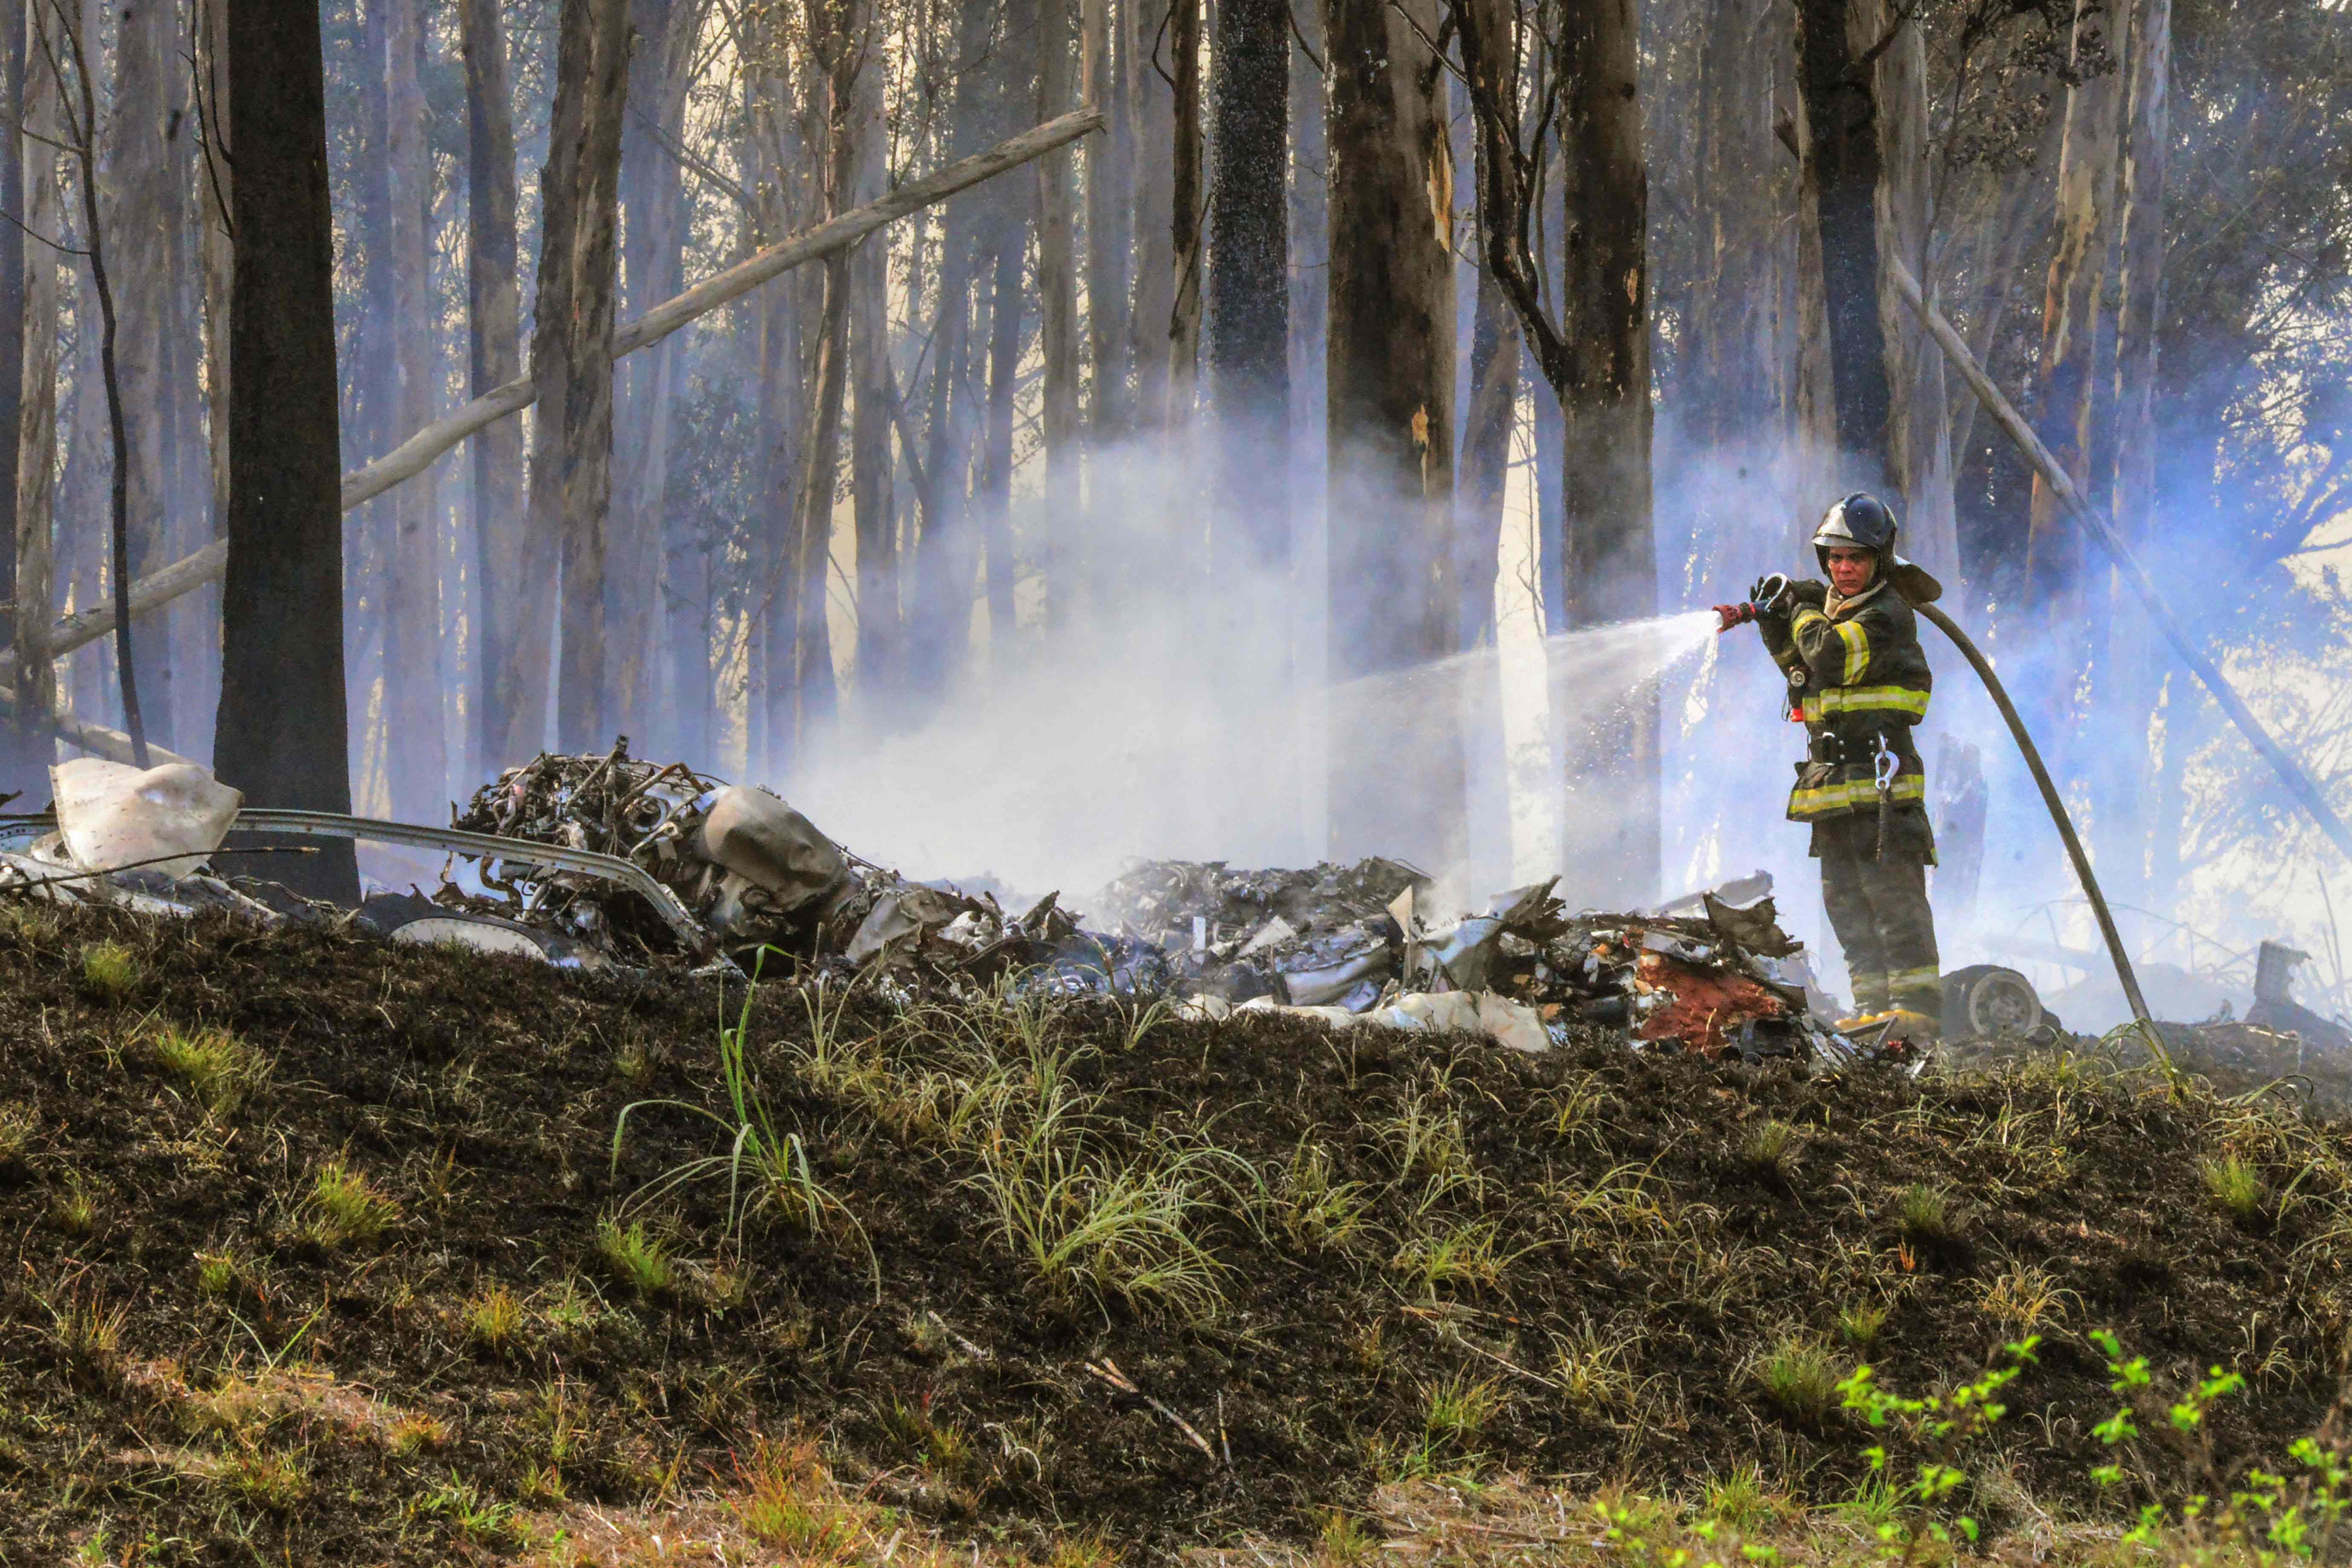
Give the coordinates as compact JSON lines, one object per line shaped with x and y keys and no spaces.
{"x":1184,"y":714}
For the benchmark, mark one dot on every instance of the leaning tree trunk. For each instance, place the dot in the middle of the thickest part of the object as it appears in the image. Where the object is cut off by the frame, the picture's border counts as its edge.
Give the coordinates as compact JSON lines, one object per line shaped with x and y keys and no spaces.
{"x":1390,"y":402}
{"x":508,"y":719}
{"x":1841,"y":178}
{"x":1248,"y":302}
{"x":418,"y":763}
{"x":2070,"y":318}
{"x":1608,"y":554}
{"x":282,"y":730}
{"x":595,"y":35}
{"x":2142,"y":264}
{"x":25,"y":746}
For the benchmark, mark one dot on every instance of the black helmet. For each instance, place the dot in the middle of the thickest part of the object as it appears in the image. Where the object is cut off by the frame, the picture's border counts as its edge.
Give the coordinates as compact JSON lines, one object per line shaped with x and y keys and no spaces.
{"x":1860,"y":521}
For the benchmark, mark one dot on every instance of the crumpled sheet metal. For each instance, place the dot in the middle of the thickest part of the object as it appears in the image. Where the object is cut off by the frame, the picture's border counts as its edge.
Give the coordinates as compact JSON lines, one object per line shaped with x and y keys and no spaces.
{"x":1505,"y":1022}
{"x":111,"y":815}
{"x":1724,"y":980}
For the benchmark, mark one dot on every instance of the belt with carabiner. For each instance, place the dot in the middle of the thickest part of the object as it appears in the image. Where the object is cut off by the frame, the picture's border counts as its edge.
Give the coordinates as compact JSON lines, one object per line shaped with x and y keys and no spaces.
{"x":1886,"y":765}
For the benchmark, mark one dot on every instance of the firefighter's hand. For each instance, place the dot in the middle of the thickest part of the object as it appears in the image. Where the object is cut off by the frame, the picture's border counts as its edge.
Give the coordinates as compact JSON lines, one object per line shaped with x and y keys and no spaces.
{"x":1729,"y":615}
{"x":1768,"y":595}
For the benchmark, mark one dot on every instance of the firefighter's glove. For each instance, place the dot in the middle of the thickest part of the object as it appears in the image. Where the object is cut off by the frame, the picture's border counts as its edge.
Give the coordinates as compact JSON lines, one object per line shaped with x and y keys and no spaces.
{"x":1769,"y":597}
{"x":1729,"y":615}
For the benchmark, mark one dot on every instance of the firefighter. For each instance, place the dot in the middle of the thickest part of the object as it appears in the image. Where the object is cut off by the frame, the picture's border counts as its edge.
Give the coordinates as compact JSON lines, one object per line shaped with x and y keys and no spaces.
{"x":1858,"y":681}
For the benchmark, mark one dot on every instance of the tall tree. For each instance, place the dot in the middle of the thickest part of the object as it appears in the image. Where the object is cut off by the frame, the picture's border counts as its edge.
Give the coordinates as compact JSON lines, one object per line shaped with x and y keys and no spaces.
{"x":1110,"y":202}
{"x":582,"y":175}
{"x":1841,"y":174}
{"x":1390,"y":404}
{"x":419,"y":761}
{"x":1248,"y":303}
{"x":1058,"y":319}
{"x":1187,"y":167}
{"x":509,"y":719}
{"x":24,"y":745}
{"x":136,"y":174}
{"x":2070,"y":310}
{"x":17,"y":758}
{"x":2136,"y":684}
{"x":880,"y":623}
{"x":1151,"y":114}
{"x":1918,"y":450}
{"x":282,"y":726}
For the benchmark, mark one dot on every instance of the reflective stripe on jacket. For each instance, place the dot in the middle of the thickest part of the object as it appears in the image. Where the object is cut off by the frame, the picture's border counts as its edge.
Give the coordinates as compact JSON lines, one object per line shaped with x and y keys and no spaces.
{"x":1859,"y":682}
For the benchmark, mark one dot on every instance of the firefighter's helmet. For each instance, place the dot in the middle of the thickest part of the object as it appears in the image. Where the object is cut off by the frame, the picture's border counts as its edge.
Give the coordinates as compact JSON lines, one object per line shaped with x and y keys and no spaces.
{"x":1859,"y":521}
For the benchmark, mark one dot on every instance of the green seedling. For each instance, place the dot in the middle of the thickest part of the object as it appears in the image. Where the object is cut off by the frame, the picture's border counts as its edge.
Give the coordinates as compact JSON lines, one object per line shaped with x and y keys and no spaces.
{"x":636,"y":1258}
{"x":219,"y":1069}
{"x":2236,"y":1188}
{"x":1800,"y":1379}
{"x":108,"y":970}
{"x":346,"y":1207}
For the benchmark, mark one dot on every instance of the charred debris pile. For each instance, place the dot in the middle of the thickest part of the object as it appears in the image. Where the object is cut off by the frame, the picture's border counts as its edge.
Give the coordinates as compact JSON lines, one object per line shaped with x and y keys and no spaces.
{"x":612,"y":860}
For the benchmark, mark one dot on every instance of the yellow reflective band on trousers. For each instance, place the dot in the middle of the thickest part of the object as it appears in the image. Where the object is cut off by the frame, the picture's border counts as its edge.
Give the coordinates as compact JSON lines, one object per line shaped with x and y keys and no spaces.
{"x":1857,"y":649}
{"x":1804,"y":802}
{"x":1866,"y":699}
{"x":1926,"y":978}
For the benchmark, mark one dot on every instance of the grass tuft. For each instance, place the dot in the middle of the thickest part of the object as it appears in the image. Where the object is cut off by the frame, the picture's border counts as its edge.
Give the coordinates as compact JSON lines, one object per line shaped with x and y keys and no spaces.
{"x":273,"y":1482}
{"x":494,"y":1317}
{"x":2236,"y":1188}
{"x":219,"y":1275}
{"x":636,"y":1258}
{"x":1458,"y":1408}
{"x":110,"y":970}
{"x":1860,"y":1323}
{"x":74,"y":1212}
{"x":1801,"y":1378}
{"x":222,"y":1071}
{"x":346,"y":1208}
{"x":19,"y":1130}
{"x":1769,"y":1145}
{"x":1924,"y":1213}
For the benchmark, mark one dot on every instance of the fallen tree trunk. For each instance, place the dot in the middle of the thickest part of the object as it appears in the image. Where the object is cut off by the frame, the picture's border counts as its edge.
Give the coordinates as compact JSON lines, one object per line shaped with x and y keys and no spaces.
{"x":97,"y":738}
{"x":416,"y":454}
{"x":2062,"y":485}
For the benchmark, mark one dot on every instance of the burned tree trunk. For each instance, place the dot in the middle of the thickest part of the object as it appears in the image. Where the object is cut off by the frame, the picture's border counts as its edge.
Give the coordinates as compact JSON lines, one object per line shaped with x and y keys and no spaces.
{"x":134,"y":158}
{"x":507,"y":719}
{"x":1249,"y":284}
{"x":2142,"y":307}
{"x":593,"y":58}
{"x":993,"y":492}
{"x":1110,"y":200}
{"x":1608,"y":554}
{"x":1152,"y":113}
{"x":1841,"y":177}
{"x":24,"y":745}
{"x":1390,"y":404}
{"x":282,"y":730}
{"x":20,"y":755}
{"x":880,"y":626}
{"x":417,"y":762}
{"x":2070,"y":311}
{"x":1184,"y":210}
{"x":1057,"y":319}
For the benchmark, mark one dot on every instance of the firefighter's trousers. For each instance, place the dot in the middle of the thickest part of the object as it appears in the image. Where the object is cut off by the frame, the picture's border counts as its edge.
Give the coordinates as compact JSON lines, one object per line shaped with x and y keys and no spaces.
{"x":1878,"y":907}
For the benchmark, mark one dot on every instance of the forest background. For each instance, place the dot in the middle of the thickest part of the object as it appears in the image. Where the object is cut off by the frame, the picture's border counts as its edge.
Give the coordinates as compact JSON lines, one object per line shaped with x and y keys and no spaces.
{"x":1247,"y":478}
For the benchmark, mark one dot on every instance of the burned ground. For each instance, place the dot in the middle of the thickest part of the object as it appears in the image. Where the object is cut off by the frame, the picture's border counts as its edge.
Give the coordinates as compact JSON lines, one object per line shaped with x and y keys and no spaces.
{"x":322,"y":1252}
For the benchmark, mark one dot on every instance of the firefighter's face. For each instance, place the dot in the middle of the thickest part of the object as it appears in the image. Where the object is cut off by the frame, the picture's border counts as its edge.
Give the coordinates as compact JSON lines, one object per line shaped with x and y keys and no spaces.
{"x":1850,"y":569}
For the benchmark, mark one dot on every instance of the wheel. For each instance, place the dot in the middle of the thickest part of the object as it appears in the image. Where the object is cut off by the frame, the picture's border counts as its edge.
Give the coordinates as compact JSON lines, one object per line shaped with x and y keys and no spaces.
{"x":1985,"y":999}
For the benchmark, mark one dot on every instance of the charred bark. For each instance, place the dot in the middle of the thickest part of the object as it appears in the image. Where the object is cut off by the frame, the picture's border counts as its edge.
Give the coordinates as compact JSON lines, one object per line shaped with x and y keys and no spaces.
{"x":507,"y":722}
{"x":1187,"y":166}
{"x":881,"y":629}
{"x":1248,"y":302}
{"x":282,"y":726}
{"x":24,"y":746}
{"x":1389,"y":401}
{"x":417,"y":763}
{"x":1057,"y":321}
{"x":2070,"y":311}
{"x":1841,"y":174}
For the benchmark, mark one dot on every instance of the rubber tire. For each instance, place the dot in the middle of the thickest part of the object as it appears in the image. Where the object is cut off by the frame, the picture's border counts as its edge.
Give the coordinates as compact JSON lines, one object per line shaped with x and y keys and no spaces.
{"x":1989,"y":999}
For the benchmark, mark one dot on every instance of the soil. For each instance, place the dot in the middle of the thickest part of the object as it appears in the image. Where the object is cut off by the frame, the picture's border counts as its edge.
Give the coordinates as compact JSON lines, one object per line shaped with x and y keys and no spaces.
{"x":194,"y":1354}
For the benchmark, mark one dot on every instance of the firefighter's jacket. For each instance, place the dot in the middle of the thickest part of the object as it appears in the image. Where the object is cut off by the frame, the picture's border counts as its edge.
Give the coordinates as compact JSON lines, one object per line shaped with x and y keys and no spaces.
{"x":1859,"y":682}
